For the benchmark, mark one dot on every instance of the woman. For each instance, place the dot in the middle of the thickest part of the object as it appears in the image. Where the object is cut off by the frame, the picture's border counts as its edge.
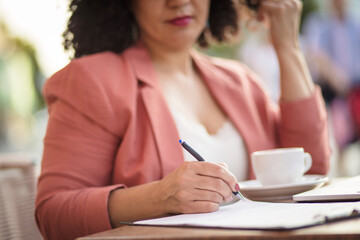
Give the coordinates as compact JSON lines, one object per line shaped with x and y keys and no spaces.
{"x":117,"y":111}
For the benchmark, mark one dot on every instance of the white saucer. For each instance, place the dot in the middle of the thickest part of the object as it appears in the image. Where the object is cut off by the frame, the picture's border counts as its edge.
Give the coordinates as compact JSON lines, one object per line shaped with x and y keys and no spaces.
{"x":255,"y":191}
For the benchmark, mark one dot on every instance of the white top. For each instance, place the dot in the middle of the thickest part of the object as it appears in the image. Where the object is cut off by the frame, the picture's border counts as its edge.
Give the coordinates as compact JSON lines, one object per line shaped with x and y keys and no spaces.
{"x":225,"y":146}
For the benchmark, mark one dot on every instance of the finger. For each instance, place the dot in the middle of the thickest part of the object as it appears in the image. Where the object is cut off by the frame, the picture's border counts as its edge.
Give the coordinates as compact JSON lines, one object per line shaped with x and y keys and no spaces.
{"x":198,"y":207}
{"x":207,"y":176}
{"x":224,"y":165}
{"x":265,"y":9}
{"x":217,"y":171}
{"x":287,"y":12}
{"x":272,"y":6}
{"x":215,"y":184}
{"x":202,"y":180}
{"x":206,"y":195}
{"x":281,"y":1}
{"x":194,"y":194}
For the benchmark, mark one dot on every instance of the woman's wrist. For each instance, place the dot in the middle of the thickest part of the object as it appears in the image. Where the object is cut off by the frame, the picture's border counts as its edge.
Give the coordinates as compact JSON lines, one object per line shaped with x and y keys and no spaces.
{"x":286,"y":47}
{"x":296,"y":81}
{"x":136,"y":203}
{"x":158,"y":197}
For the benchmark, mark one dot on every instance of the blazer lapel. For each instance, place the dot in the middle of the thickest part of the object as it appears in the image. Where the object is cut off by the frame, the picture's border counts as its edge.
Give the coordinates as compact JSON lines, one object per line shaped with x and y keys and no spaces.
{"x":231,"y":96}
{"x":164,"y":129}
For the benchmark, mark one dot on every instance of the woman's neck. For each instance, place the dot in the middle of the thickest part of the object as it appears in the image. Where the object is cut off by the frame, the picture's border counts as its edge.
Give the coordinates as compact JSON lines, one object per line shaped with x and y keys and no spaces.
{"x":169,"y":60}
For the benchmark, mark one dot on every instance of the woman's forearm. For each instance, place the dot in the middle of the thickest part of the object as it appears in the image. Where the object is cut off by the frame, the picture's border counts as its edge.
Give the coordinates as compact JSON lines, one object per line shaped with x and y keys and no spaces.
{"x":295,"y":78}
{"x":284,"y":19}
{"x":135,"y":203}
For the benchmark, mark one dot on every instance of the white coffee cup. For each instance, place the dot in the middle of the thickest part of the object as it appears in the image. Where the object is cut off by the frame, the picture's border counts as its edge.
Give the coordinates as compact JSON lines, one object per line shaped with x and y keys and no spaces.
{"x":280,"y":165}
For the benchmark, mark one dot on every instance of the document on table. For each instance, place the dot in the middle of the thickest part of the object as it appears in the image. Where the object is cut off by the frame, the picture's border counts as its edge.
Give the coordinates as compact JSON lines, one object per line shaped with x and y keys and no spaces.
{"x":263,"y":215}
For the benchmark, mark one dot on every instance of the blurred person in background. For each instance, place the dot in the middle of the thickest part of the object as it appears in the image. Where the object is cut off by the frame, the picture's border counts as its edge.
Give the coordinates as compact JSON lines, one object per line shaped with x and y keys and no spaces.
{"x":333,"y":50}
{"x":137,"y":85}
{"x":20,"y":92}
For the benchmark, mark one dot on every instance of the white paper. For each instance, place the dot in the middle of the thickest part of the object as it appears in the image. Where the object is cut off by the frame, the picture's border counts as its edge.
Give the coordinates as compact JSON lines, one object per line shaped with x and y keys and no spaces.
{"x":262,"y":215}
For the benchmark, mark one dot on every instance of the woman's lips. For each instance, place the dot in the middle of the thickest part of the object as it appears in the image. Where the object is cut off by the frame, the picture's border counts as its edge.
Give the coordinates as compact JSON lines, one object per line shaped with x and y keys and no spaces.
{"x":180,"y":21}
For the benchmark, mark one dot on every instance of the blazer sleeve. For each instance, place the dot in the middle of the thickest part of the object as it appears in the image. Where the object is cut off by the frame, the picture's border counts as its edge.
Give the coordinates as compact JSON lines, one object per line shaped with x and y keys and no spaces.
{"x":79,"y":151}
{"x":304,"y":123}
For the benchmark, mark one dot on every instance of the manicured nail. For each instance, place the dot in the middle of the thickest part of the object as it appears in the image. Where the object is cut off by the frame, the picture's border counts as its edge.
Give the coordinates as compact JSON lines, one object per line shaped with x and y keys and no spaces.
{"x":237,"y":187}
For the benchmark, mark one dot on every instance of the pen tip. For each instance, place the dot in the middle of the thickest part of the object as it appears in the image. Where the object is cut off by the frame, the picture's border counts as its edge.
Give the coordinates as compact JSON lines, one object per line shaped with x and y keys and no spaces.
{"x":239,"y":195}
{"x":180,"y":141}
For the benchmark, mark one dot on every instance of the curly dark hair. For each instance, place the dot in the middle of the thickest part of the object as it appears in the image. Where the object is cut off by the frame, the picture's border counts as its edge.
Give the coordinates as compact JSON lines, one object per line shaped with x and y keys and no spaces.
{"x":97,"y":26}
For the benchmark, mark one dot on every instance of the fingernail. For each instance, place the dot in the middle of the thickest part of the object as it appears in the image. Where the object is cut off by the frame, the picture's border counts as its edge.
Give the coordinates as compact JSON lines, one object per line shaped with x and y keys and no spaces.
{"x":237,"y":187}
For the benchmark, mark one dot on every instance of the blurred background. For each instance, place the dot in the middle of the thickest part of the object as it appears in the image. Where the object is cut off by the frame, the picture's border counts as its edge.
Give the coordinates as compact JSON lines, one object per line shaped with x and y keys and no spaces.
{"x":31,"y":51}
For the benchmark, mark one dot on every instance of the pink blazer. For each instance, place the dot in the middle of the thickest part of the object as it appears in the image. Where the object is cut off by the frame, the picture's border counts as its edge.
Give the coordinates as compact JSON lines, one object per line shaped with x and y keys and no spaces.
{"x":109,"y":127}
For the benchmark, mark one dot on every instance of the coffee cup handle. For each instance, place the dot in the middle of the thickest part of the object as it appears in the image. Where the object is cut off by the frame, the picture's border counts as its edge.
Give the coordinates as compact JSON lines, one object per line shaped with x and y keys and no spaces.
{"x":308,"y":162}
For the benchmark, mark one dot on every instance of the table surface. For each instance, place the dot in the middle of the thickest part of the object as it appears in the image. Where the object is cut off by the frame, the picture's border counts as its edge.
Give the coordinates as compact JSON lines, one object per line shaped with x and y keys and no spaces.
{"x":344,"y":229}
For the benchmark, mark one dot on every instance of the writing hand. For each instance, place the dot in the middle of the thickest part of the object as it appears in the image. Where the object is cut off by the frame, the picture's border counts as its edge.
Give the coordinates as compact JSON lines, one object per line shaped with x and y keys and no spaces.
{"x":197,"y":187}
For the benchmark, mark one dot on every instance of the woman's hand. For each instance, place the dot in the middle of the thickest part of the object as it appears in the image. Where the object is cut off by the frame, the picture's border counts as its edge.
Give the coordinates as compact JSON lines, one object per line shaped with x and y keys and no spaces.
{"x":197,"y":187}
{"x":284,"y":19}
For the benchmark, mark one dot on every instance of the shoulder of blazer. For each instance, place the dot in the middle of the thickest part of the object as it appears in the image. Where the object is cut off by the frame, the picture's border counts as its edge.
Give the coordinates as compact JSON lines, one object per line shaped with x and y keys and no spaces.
{"x":101,"y":86}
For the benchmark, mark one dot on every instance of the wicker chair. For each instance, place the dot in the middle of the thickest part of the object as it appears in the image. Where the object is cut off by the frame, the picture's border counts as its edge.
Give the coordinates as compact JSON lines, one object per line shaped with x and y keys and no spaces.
{"x":17,"y":197}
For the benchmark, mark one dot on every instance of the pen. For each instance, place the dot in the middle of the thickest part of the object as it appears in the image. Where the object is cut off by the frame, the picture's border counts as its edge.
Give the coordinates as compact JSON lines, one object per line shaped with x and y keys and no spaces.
{"x":201,"y":159}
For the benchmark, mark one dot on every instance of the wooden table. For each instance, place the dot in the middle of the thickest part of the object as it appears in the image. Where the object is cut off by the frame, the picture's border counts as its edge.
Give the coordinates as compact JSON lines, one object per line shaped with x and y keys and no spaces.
{"x":345,"y":229}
